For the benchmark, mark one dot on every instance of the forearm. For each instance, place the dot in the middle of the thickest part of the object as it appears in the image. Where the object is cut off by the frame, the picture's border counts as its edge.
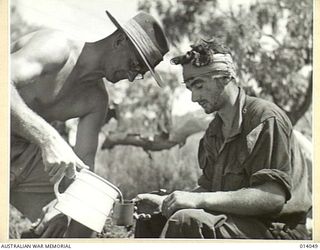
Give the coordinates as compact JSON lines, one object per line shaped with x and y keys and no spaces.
{"x":264,"y":199}
{"x":27,"y":123}
{"x":250,"y":201}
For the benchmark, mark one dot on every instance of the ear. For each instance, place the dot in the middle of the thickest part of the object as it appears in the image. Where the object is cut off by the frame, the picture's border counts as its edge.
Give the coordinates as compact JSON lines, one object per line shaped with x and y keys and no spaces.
{"x":120,"y":40}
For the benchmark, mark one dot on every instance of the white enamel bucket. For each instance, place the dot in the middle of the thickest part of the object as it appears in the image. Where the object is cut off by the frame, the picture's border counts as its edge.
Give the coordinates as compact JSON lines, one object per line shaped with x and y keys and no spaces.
{"x":88,"y":199}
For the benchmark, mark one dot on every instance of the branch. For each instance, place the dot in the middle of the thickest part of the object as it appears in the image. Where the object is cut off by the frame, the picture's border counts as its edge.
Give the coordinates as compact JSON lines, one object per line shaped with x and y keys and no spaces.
{"x":147,"y":144}
{"x":178,"y":136}
{"x":273,"y":37}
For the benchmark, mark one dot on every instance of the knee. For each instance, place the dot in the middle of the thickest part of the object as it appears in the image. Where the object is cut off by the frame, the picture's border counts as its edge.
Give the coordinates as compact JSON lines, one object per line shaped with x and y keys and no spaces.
{"x":187,"y":216}
{"x":185,"y":223}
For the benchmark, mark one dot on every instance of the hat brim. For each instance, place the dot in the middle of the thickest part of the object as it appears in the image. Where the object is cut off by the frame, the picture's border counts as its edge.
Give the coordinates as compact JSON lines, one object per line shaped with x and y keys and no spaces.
{"x":155,"y":75}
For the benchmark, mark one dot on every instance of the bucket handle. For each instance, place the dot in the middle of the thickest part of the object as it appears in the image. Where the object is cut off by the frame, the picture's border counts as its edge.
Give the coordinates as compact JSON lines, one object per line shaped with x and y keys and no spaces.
{"x":58,"y":194}
{"x":56,"y":185}
{"x":109,"y":183}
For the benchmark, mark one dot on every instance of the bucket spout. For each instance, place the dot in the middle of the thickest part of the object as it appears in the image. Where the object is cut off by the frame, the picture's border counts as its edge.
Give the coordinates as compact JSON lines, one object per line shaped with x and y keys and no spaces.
{"x":116,"y":189}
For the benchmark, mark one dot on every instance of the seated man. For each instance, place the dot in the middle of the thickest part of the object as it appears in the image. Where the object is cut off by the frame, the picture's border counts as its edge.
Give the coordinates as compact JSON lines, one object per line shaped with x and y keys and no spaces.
{"x":254,"y":182}
{"x":54,"y":78}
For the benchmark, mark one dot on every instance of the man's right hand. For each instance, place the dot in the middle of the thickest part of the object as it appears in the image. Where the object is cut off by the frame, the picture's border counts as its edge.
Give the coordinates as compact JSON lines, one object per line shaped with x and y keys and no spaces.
{"x":59,"y":159}
{"x":52,"y":223}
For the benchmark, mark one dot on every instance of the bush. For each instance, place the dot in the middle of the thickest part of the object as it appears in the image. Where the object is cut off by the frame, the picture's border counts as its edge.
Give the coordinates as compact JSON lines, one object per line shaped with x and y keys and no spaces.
{"x":135,"y":171}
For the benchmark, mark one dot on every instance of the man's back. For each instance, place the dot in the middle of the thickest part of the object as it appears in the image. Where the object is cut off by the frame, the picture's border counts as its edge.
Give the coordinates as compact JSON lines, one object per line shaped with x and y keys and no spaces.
{"x":43,"y":65}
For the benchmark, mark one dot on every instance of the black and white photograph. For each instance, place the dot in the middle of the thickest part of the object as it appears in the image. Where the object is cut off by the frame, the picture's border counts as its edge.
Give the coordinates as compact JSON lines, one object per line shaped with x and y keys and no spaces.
{"x":161,"y":119}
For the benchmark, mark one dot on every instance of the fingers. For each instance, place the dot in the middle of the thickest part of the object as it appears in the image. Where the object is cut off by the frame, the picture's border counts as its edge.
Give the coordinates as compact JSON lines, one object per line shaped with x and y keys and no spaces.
{"x":70,"y":171}
{"x":40,"y":227}
{"x":55,"y":171}
{"x":168,"y":206}
{"x":164,"y":204}
{"x":81,"y":165}
{"x":58,"y":175}
{"x":54,"y":168}
{"x":141,"y":216}
{"x":35,"y":224}
{"x":140,"y":197}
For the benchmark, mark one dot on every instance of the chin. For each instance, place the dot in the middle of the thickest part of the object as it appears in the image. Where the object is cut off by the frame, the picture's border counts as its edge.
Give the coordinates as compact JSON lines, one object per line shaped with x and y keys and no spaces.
{"x":208,"y":111}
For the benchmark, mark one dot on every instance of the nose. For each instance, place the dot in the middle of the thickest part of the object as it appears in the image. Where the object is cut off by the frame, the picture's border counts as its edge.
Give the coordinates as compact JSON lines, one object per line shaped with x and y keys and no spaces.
{"x":194,"y":96}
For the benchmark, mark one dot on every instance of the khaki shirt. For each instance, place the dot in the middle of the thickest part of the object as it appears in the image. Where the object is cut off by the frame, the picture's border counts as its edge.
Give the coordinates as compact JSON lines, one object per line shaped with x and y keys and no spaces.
{"x":260,"y":148}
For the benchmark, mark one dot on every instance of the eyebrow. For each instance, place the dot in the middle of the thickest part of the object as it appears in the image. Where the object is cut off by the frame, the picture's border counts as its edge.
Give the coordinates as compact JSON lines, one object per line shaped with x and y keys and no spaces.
{"x":193,"y":82}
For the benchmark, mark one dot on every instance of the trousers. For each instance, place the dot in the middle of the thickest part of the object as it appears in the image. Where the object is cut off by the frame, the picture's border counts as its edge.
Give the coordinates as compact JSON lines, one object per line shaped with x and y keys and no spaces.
{"x":198,"y":223}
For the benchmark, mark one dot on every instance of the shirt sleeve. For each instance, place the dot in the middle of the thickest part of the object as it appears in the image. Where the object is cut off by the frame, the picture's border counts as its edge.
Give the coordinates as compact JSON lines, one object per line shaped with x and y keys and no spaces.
{"x":270,"y":159}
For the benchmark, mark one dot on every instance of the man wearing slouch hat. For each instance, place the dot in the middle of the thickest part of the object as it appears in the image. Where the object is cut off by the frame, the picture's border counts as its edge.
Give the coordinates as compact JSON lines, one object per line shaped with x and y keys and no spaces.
{"x":54,"y":78}
{"x":254,"y":182}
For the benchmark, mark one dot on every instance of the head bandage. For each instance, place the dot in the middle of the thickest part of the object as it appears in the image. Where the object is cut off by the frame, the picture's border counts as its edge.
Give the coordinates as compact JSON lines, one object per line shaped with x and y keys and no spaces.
{"x":206,"y":57}
{"x":221,"y":65}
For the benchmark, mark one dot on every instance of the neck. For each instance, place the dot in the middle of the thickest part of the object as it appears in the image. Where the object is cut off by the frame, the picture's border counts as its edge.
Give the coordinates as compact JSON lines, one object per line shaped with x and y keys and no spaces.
{"x":227,"y":112}
{"x":92,"y":58}
{"x":93,"y":52}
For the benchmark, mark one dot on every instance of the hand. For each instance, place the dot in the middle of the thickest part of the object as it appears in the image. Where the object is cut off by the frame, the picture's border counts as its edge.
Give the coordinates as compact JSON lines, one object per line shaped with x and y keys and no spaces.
{"x":52,"y":223}
{"x":59,"y":160}
{"x":180,"y":200}
{"x":147,"y":204}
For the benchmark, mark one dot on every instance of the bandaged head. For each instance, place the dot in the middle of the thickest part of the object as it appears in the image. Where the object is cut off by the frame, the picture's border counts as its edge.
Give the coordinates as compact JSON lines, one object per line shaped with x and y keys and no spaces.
{"x":204,"y":58}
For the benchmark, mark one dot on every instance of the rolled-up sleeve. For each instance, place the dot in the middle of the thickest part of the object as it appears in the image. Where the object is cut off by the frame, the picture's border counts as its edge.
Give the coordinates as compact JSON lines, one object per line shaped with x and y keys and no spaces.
{"x":273,"y":175}
{"x":270,"y":159}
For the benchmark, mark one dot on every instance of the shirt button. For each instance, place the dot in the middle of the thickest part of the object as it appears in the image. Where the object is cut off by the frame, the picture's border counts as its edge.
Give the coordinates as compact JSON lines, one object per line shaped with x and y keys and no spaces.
{"x":244,"y":110}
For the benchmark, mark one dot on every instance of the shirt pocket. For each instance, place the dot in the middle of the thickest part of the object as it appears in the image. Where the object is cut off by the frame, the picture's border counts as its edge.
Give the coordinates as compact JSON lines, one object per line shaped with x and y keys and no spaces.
{"x":234,"y":176}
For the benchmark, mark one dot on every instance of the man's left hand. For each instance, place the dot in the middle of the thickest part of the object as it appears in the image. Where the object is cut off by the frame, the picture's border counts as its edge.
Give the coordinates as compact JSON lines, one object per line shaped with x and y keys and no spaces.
{"x":180,"y":200}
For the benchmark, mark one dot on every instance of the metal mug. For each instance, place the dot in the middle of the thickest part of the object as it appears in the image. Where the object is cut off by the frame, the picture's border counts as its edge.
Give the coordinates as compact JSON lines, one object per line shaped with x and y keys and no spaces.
{"x":88,"y":199}
{"x":123,"y":213}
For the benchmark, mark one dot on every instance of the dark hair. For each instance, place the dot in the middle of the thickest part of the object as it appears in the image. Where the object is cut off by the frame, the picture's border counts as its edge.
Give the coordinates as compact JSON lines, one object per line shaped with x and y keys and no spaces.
{"x":201,"y":53}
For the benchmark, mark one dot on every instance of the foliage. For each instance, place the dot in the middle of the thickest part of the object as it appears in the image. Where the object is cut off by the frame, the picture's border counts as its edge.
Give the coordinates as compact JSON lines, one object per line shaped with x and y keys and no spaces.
{"x":144,"y":108}
{"x":271,"y":43}
{"x":135,"y":171}
{"x":18,"y":223}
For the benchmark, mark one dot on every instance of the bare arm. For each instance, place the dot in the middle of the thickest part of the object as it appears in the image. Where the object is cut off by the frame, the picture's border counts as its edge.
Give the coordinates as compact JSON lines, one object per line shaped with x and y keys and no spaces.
{"x":263,"y":199}
{"x":88,"y":133}
{"x":26,"y":123}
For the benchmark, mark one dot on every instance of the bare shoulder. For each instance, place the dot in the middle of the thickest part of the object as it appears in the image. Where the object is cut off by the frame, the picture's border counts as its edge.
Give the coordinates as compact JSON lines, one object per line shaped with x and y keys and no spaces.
{"x":45,"y":46}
